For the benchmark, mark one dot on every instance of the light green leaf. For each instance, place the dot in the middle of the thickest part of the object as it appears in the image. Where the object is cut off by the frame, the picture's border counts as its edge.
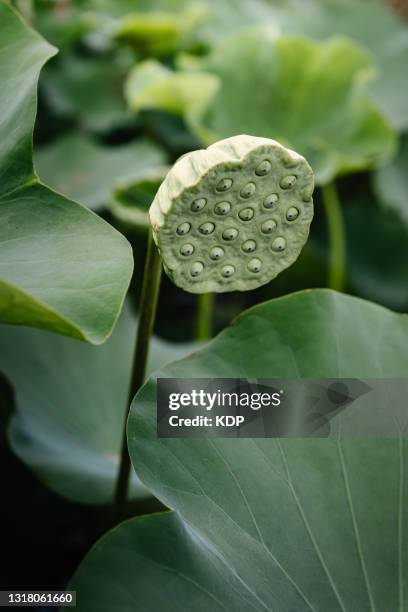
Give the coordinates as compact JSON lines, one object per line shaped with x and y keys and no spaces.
{"x":263,"y":85}
{"x":71,"y":401}
{"x":269,"y":87}
{"x":61,"y":267}
{"x":81,"y":169}
{"x":159,"y":33}
{"x":300,"y":524}
{"x":391,"y":182}
{"x":150,"y":85}
{"x":386,"y":37}
{"x":132,"y":199}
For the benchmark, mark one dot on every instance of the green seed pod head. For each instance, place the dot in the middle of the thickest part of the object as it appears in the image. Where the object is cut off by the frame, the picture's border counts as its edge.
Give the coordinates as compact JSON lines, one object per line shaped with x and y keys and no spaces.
{"x":231,"y":217}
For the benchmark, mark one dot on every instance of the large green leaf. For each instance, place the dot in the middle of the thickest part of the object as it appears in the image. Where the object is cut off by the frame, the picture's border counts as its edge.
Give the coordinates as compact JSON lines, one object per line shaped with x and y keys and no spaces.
{"x":386,"y":37}
{"x":61,"y":267}
{"x":88,"y":90}
{"x":391,"y":182}
{"x":268,"y":86}
{"x":71,"y":401}
{"x":300,"y":524}
{"x":87,"y":172}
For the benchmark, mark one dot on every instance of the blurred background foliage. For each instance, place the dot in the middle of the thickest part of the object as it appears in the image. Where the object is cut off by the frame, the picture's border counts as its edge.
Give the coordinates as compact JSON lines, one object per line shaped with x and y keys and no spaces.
{"x":136,"y":84}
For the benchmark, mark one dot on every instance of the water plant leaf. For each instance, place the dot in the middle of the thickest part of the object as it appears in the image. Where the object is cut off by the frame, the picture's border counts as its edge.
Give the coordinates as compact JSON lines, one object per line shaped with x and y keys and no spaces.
{"x":70,"y":405}
{"x":160,"y":33}
{"x":391,"y":182}
{"x":386,"y":39}
{"x":285,"y":523}
{"x":88,"y":172}
{"x":61,"y":267}
{"x":89,"y":90}
{"x":132,"y":199}
{"x":338,"y":131}
{"x":151,"y":85}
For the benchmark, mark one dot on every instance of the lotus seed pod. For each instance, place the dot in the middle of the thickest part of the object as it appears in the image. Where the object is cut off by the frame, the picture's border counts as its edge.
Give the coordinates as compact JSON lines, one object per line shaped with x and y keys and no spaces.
{"x":233,"y":216}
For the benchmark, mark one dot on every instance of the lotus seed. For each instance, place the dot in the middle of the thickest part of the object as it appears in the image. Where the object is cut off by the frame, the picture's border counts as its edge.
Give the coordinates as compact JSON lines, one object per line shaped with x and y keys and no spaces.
{"x":271,"y":200}
{"x":207,"y":228}
{"x":249,"y":246}
{"x":230,"y":233}
{"x":183,"y":229}
{"x":196,"y":269}
{"x":263,"y":168}
{"x":198,"y":204}
{"x":292,"y":213}
{"x":255,"y":265}
{"x":288,"y":181}
{"x":224,"y":184}
{"x":216,"y":253}
{"x":246,"y":214}
{"x":222,"y":208}
{"x":268,"y":226}
{"x":228,"y":271}
{"x":248,"y":190}
{"x":232,"y":216}
{"x":187,"y":249}
{"x":279,"y":244}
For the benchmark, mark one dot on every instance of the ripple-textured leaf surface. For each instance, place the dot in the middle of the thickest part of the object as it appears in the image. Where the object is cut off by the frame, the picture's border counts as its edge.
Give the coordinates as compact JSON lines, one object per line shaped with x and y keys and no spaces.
{"x":61,"y":267}
{"x":71,"y":401}
{"x":311,"y":524}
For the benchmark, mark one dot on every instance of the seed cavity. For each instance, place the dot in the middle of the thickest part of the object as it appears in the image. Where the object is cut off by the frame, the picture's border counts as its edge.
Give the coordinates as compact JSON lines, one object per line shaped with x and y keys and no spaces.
{"x":198,"y":204}
{"x":183,"y":229}
{"x":263,"y":168}
{"x":207,"y":228}
{"x":187,"y":249}
{"x":271,"y":200}
{"x":288,"y":181}
{"x":255,"y":265}
{"x":230,"y":234}
{"x":292,"y":213}
{"x":196,"y":269}
{"x":279,"y":244}
{"x":248,"y":190}
{"x":222,"y":208}
{"x":228,"y":271}
{"x":246,"y":214}
{"x":268,"y":226}
{"x":217,"y":253}
{"x":249,"y":246}
{"x":224,"y":184}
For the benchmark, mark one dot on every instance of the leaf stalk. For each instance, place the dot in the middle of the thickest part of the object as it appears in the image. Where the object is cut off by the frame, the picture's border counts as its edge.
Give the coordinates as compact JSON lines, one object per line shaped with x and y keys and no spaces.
{"x":205,"y":314}
{"x":147,"y":316}
{"x":337,"y":236}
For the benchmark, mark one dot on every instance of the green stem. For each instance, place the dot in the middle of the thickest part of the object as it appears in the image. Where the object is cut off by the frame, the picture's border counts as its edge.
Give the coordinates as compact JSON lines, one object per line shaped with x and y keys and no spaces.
{"x":147,"y":315}
{"x":205,"y":315}
{"x":337,"y":236}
